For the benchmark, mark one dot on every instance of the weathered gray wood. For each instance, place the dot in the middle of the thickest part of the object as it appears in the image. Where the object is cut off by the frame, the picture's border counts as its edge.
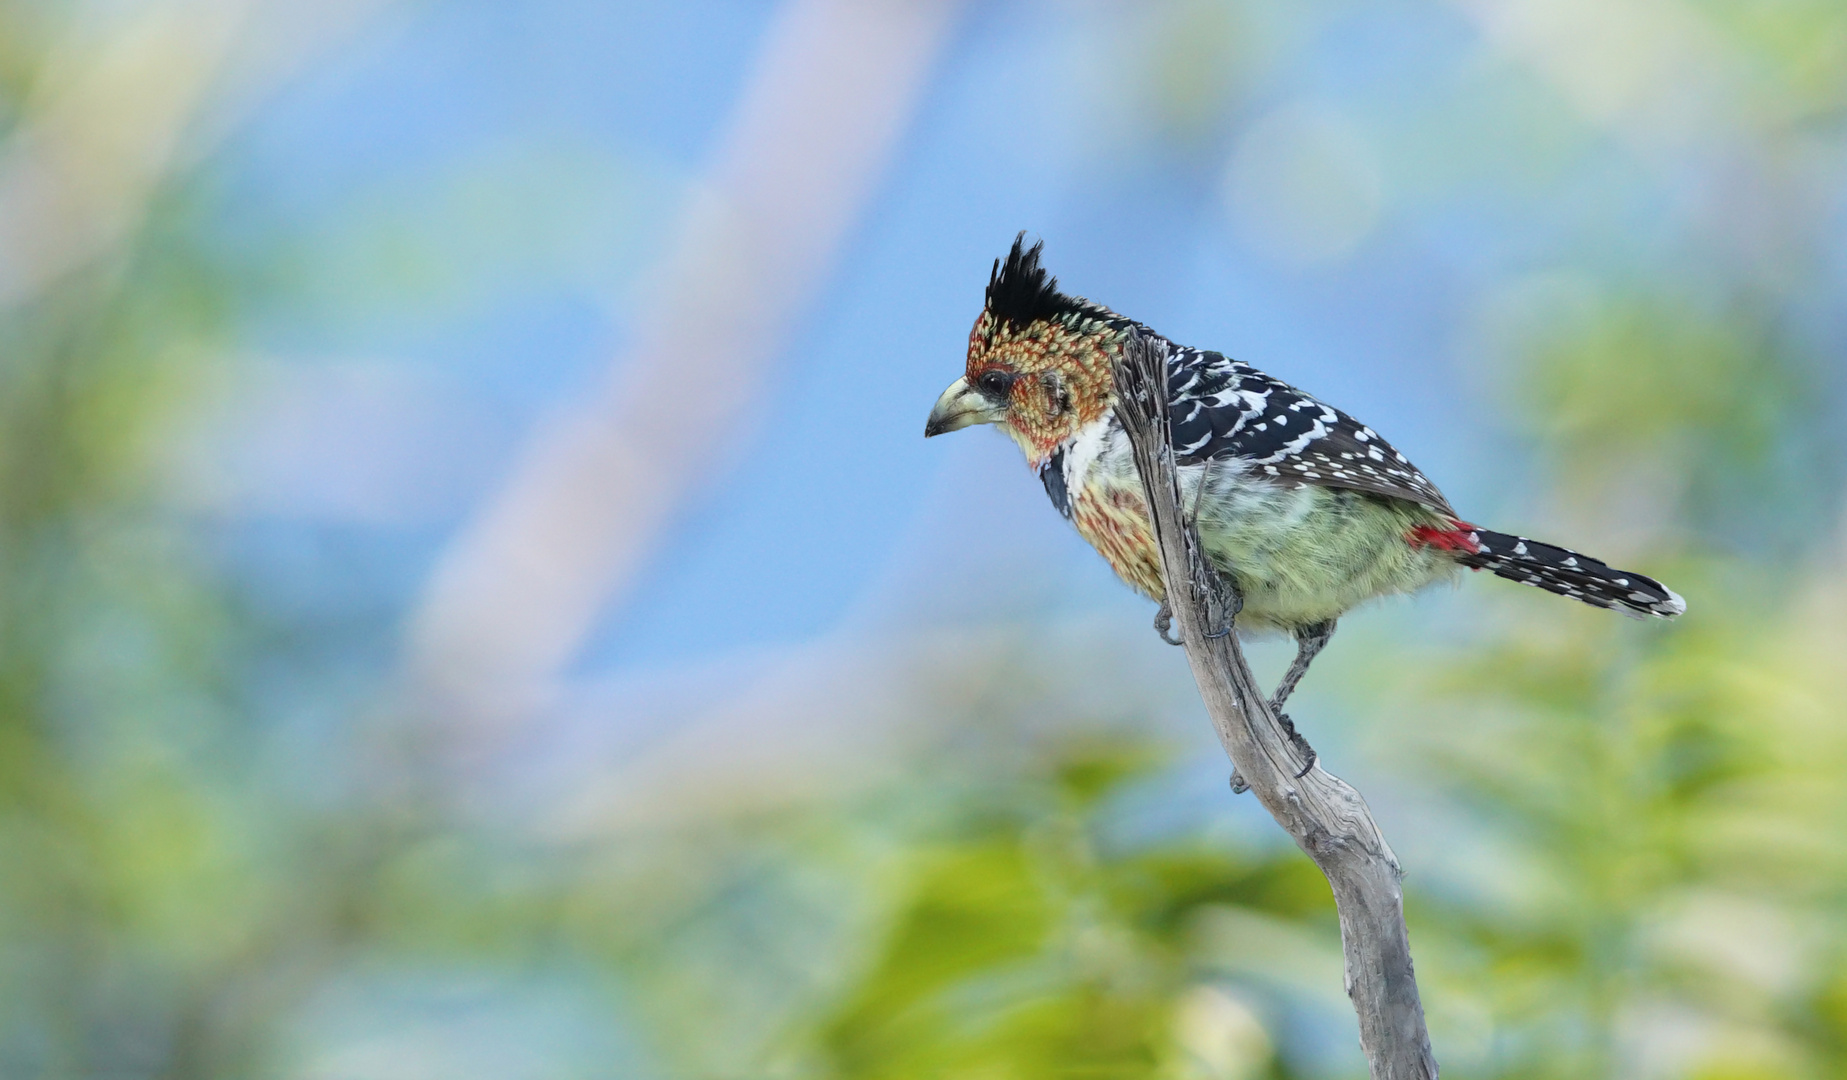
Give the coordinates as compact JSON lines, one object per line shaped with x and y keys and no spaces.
{"x":1325,"y":815}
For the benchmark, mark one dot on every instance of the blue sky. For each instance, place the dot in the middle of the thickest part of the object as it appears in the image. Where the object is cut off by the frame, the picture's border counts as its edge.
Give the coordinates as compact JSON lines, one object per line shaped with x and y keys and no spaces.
{"x":468,"y":200}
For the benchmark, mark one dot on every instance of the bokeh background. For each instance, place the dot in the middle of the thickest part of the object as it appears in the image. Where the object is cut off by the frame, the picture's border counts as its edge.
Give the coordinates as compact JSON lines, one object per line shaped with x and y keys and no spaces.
{"x":475,"y":601}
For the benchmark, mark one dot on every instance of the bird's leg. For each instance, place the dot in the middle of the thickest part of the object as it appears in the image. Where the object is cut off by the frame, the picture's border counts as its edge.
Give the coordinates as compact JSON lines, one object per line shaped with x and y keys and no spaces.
{"x":1227,"y":600}
{"x":1309,"y":640}
{"x":1224,"y":600}
{"x":1163,"y":621}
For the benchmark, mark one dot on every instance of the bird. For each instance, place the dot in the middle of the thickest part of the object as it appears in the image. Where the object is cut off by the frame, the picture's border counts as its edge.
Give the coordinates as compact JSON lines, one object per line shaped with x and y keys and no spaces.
{"x":1306,"y":511}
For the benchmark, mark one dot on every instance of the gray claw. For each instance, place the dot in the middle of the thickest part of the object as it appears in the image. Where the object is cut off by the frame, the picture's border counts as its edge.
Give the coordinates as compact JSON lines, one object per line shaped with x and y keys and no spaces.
{"x":1163,"y":621}
{"x":1301,"y":744}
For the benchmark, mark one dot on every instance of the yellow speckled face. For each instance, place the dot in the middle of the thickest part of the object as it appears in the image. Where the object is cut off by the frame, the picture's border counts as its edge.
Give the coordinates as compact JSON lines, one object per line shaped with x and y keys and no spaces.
{"x":1053,"y":375}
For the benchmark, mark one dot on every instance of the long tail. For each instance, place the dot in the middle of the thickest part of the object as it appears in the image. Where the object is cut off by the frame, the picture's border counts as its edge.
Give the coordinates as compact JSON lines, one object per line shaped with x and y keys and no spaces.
{"x":1568,"y":573}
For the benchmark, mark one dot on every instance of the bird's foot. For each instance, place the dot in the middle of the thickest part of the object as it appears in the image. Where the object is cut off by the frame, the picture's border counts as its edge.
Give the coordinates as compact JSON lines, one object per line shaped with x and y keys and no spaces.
{"x":1309,"y":757}
{"x":1163,"y":621}
{"x":1239,"y":785}
{"x":1227,"y":600}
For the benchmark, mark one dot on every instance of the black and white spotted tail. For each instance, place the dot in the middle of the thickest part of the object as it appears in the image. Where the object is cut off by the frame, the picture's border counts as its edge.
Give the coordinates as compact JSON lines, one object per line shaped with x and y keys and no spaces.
{"x":1568,"y":573}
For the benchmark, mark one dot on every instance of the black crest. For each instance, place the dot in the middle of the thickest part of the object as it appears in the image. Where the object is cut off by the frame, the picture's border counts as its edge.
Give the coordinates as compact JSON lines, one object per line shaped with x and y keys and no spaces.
{"x":1020,"y":292}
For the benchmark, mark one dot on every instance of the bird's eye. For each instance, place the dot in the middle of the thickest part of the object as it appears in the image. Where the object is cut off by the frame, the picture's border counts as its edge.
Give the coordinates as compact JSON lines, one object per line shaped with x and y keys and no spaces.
{"x":994,"y":383}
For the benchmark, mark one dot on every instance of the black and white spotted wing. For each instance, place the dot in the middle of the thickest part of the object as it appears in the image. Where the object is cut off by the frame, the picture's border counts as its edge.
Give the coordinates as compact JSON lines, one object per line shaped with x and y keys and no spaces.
{"x":1222,"y":408}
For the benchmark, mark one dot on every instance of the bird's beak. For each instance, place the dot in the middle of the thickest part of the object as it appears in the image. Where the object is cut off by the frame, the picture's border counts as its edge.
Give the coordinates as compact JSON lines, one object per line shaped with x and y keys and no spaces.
{"x":962,"y":406}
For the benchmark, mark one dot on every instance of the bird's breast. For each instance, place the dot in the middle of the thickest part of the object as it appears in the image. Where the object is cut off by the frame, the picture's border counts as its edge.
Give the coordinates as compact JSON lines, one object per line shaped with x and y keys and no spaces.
{"x":1114,"y":519}
{"x":1301,"y":554}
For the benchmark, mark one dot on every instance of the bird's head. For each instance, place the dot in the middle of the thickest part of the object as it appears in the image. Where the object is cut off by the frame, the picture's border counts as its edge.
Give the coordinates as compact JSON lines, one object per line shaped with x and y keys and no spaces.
{"x":1039,"y":362}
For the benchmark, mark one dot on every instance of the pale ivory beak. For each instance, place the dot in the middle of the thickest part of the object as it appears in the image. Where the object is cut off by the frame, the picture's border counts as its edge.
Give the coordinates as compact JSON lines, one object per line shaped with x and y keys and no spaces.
{"x":962,"y":406}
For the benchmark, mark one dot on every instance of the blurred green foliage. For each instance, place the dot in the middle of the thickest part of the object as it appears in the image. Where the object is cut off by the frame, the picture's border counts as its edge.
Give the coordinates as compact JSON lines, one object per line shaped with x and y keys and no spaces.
{"x":136,"y":881}
{"x":1799,"y":48}
{"x":1026,"y":947}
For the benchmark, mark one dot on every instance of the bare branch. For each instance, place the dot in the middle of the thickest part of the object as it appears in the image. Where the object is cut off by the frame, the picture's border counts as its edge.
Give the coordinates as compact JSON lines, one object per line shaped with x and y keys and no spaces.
{"x":1325,"y":815}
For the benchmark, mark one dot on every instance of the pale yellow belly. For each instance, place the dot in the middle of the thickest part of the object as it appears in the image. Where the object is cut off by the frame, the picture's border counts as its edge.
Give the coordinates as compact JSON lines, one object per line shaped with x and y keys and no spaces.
{"x":1299,"y":555}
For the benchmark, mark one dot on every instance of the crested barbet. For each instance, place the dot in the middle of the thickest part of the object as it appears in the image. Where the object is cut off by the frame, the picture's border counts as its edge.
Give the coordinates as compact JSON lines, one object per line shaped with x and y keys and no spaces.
{"x":1307,"y":511}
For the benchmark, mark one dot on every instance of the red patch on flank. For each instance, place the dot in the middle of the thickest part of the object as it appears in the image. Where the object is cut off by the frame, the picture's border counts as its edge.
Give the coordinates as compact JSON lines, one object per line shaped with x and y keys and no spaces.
{"x":1459,"y":538}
